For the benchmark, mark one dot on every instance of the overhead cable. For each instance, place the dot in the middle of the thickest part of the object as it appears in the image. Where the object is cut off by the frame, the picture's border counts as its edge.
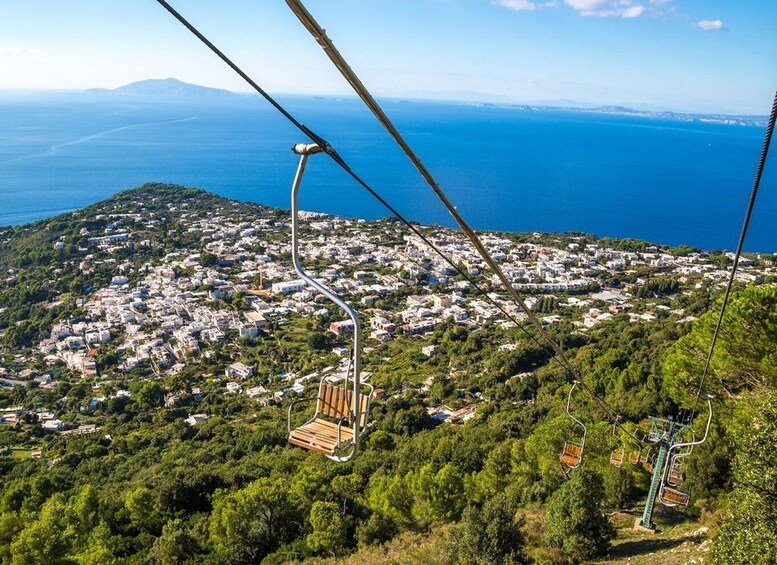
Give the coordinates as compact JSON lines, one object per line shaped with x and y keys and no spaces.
{"x":319,"y":34}
{"x":557,"y":353}
{"x":751,"y":202}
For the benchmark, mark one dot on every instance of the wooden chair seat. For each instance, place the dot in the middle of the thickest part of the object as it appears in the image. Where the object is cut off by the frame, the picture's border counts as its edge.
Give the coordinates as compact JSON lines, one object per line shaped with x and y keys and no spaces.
{"x":333,"y":411}
{"x":321,"y":435}
{"x":675,"y":496}
{"x":572,"y":454}
{"x":616,"y":458}
{"x":634,"y":458}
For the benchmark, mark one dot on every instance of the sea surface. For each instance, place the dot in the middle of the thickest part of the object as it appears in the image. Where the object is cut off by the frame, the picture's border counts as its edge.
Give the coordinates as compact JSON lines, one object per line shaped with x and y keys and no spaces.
{"x":664,"y":181}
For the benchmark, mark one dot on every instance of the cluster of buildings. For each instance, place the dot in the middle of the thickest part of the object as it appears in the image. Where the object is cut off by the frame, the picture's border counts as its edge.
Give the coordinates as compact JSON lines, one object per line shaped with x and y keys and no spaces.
{"x":234,"y":280}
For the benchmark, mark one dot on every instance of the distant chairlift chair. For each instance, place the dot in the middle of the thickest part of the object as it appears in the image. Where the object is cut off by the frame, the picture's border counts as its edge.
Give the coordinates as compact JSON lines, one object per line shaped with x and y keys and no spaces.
{"x":572,"y":454}
{"x":342,"y":409}
{"x":618,"y":456}
{"x":674,"y":476}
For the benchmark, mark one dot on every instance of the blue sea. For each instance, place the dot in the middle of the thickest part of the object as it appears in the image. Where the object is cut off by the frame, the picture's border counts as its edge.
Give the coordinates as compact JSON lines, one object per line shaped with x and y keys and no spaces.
{"x":664,"y":181}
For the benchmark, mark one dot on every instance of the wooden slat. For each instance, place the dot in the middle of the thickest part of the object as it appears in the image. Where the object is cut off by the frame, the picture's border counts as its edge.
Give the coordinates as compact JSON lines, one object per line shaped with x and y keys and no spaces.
{"x":570,"y":460}
{"x":572,"y":449}
{"x":676,"y":496}
{"x":363,"y":402}
{"x":328,"y":394}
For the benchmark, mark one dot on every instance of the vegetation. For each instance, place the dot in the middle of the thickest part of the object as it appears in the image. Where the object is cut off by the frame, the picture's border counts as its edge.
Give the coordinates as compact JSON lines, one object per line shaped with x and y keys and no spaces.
{"x":150,"y":488}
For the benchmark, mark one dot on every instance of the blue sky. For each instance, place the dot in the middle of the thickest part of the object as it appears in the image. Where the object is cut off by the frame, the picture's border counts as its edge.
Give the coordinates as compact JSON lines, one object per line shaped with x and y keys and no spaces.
{"x":688,"y":55}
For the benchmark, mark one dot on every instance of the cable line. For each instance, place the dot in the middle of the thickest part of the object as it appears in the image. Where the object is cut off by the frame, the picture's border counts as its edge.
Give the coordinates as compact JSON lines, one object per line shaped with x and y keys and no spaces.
{"x":557,"y":353}
{"x":742,"y":234}
{"x":329,"y":150}
{"x":319,"y":34}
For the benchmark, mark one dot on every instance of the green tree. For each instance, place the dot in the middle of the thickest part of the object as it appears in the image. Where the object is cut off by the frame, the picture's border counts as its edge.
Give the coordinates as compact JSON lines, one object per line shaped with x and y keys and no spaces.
{"x":376,"y":530}
{"x":328,"y":528}
{"x":618,"y":486}
{"x":576,"y":522}
{"x":489,"y":535}
{"x":150,"y":395}
{"x":744,"y":356}
{"x":175,"y":545}
{"x":442,"y":388}
{"x":142,"y":512}
{"x":347,"y":488}
{"x":248,"y":524}
{"x":98,"y":547}
{"x":748,"y":533}
{"x":208,"y":259}
{"x":439,"y":495}
{"x":391,"y":497}
{"x":318,"y":341}
{"x":43,"y":541}
{"x":84,"y":510}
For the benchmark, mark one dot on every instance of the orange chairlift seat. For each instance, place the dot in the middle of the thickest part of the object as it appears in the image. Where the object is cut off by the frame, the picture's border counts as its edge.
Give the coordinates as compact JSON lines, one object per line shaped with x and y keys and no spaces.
{"x":670,"y":496}
{"x":572,"y":453}
{"x":342,"y":409}
{"x":330,"y":429}
{"x":649,"y":463}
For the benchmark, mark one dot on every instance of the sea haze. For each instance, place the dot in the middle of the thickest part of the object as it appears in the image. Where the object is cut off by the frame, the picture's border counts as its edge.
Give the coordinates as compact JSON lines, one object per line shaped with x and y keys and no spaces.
{"x":509,"y":169}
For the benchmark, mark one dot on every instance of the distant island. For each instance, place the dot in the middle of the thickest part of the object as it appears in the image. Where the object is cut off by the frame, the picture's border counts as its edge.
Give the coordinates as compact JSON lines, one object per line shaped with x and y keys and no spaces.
{"x":174,"y":87}
{"x":163,"y":87}
{"x":737,"y":120}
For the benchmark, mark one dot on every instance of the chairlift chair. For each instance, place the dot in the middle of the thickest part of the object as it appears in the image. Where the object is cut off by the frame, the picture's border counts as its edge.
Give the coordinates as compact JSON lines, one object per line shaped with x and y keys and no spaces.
{"x":649,"y":462}
{"x":617,"y":457}
{"x":342,"y":408}
{"x":668,"y":495}
{"x":675,"y":475}
{"x":572,"y":453}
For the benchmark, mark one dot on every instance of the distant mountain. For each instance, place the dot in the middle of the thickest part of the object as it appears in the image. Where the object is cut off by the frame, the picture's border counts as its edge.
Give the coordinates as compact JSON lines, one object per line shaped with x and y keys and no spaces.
{"x":164,"y":87}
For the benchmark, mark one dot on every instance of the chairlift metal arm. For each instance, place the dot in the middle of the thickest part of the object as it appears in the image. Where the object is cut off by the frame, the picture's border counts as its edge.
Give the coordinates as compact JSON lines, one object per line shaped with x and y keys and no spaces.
{"x":671,"y":458}
{"x":304,"y":151}
{"x":569,"y":413}
{"x":299,"y":401}
{"x":706,"y":430}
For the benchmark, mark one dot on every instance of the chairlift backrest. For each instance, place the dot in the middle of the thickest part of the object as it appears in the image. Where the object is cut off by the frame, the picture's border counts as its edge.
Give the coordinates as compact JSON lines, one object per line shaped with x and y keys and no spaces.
{"x":336,"y":402}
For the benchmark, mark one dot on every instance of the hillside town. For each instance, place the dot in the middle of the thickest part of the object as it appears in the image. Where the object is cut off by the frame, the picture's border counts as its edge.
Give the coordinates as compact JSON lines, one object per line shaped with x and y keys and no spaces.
{"x":234,"y":283}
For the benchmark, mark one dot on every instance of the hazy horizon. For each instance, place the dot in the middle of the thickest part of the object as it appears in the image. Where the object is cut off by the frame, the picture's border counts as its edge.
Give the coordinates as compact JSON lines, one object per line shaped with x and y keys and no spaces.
{"x":463,"y":98}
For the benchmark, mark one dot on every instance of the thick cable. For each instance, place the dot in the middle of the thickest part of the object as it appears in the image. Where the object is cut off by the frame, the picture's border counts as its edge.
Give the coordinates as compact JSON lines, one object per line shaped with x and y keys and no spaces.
{"x":319,"y":34}
{"x":557,"y":353}
{"x":742,"y":234}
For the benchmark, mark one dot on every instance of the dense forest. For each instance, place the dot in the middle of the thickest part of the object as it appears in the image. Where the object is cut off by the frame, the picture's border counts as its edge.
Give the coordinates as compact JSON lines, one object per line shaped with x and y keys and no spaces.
{"x":149,"y":488}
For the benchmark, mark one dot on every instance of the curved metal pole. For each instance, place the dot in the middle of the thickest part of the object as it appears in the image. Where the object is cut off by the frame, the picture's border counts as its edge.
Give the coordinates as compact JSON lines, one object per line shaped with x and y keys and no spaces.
{"x":304,"y":151}
{"x":585,"y":430}
{"x":690,"y":443}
